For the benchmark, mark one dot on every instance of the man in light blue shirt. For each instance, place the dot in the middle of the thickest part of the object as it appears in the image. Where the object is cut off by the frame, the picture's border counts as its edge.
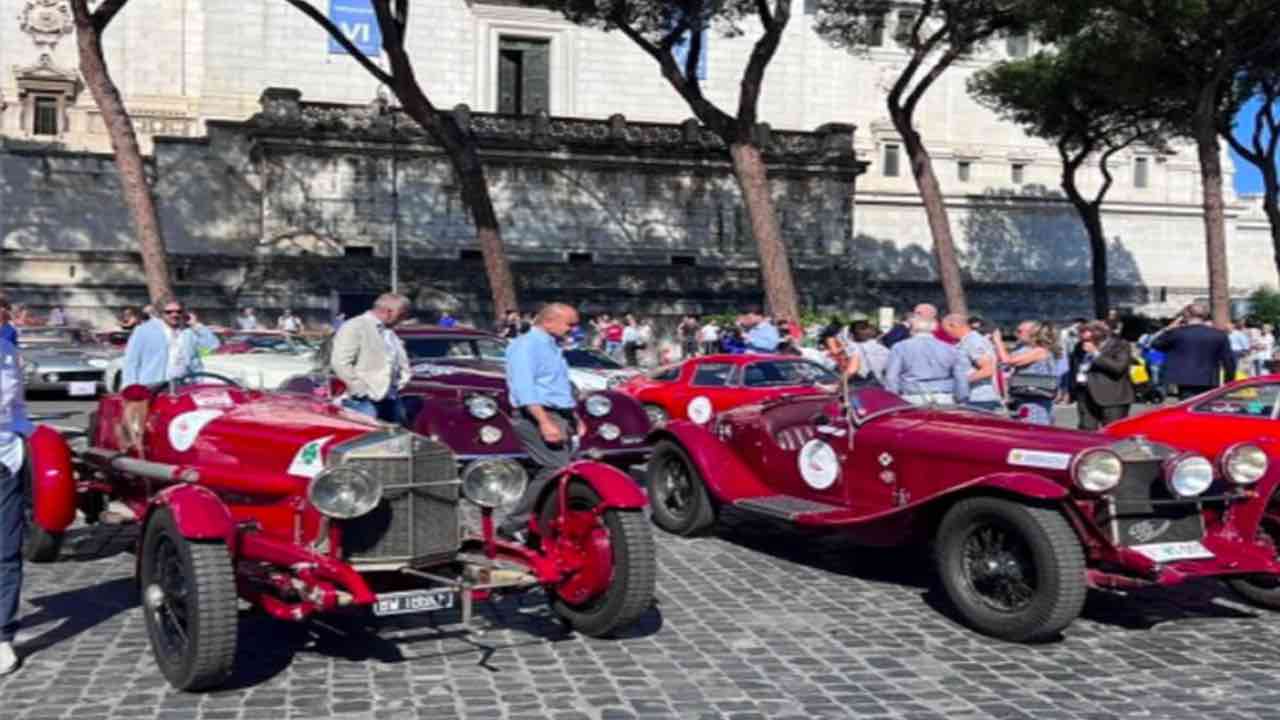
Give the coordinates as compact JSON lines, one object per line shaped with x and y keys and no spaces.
{"x":164,"y":348}
{"x":543,"y":406}
{"x":981,"y":354}
{"x":14,"y":425}
{"x":924,"y":370}
{"x":762,"y":336}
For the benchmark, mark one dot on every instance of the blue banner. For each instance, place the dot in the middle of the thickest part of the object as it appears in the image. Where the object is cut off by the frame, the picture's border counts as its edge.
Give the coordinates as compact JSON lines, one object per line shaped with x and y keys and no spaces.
{"x":357,"y":20}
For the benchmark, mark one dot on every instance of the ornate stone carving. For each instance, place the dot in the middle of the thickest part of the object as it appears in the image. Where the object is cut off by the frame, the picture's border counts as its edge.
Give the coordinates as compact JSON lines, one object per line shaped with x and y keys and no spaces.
{"x":46,"y":21}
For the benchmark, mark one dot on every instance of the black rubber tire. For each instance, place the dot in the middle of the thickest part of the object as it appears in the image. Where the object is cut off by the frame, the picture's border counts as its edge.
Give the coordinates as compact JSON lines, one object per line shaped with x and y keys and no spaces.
{"x":630,"y":594}
{"x":38,"y":545}
{"x":1052,"y":549}
{"x":1264,"y":594}
{"x":656,"y":414}
{"x":206,"y":658}
{"x":699,"y":512}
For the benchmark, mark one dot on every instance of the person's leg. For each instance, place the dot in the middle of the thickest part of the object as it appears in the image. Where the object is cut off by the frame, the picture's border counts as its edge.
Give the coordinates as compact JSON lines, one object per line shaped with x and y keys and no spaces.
{"x":1088,"y":412}
{"x":390,"y":409}
{"x":11,"y":527}
{"x":1188,"y":391}
{"x":547,"y":459}
{"x":1114,"y":413}
{"x":364,"y":406}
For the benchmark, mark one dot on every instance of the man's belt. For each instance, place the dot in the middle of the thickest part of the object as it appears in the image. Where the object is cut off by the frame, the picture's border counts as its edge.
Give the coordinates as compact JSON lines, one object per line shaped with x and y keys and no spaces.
{"x":566,"y":413}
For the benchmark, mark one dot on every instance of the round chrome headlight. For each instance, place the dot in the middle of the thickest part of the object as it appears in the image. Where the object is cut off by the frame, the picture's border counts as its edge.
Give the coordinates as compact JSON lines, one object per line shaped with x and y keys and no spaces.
{"x":482,"y":407}
{"x":609,"y":432}
{"x":494,"y":482}
{"x":1244,"y":464}
{"x":490,"y":434}
{"x":599,"y":406}
{"x":344,"y":492}
{"x":1188,"y":475}
{"x":1097,"y":470}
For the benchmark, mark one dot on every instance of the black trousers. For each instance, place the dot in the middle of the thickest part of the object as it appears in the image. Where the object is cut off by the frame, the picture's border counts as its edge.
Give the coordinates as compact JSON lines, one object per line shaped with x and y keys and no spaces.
{"x":1187,"y":391}
{"x":1093,"y":416}
{"x":547,"y":460}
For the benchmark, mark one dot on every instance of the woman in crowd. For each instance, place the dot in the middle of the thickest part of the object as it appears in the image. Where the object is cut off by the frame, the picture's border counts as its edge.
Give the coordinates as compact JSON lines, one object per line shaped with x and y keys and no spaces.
{"x":1033,"y":378}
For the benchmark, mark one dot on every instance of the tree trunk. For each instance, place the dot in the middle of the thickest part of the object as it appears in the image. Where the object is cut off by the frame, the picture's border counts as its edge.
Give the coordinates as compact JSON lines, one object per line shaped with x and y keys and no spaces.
{"x":935,"y":209}
{"x":1091,"y":215}
{"x":129,"y":163}
{"x":1271,"y":206}
{"x":775,"y":267}
{"x":1215,"y":224}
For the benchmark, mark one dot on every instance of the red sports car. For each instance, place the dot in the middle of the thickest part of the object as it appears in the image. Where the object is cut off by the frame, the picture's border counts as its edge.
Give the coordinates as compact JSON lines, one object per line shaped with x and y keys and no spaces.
{"x":698,"y":388}
{"x":1238,"y":425}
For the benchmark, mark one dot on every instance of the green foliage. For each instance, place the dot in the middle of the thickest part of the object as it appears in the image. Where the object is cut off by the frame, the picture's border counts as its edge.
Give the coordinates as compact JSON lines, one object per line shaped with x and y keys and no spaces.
{"x":1266,"y":306}
{"x":960,"y":26}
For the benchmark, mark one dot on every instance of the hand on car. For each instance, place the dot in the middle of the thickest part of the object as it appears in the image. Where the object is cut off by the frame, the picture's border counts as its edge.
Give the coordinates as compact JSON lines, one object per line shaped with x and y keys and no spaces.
{"x":551,"y":433}
{"x":582,"y":429}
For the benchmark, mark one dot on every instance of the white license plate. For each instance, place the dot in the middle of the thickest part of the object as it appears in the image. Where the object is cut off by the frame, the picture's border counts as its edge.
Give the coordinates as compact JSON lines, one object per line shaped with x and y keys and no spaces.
{"x":413,"y":601}
{"x":81,"y":389}
{"x":1168,"y":552}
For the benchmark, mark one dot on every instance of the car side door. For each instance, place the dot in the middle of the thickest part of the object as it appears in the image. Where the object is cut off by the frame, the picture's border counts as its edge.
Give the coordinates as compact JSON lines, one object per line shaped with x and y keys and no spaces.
{"x":711,"y":388}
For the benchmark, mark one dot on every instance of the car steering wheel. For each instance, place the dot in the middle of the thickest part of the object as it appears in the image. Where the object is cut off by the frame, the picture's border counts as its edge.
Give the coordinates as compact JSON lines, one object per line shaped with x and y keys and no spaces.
{"x":191,"y":377}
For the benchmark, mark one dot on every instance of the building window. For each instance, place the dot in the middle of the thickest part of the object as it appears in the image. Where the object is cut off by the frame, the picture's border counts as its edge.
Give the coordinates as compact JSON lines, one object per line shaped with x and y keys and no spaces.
{"x":1018,"y":172}
{"x":890,"y":161}
{"x":875,"y":30}
{"x":906,"y":21}
{"x":524,"y":76}
{"x":1140,"y":168}
{"x":45,"y":116}
{"x":1017,"y":45}
{"x":964,"y":169}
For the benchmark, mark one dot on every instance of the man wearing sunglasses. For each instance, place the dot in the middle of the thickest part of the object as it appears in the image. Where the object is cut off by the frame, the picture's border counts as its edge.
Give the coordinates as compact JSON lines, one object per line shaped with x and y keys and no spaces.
{"x":165,"y":347}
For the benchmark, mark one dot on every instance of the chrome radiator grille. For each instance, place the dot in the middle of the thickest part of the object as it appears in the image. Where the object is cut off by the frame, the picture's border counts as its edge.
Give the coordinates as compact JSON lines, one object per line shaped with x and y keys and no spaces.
{"x":1143,"y":510}
{"x":417,"y":520}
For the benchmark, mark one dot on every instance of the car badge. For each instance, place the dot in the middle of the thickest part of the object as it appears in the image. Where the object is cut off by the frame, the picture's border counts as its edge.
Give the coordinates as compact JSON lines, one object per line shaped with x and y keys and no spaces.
{"x":885,"y":459}
{"x":888,"y":477}
{"x":1147,"y":530}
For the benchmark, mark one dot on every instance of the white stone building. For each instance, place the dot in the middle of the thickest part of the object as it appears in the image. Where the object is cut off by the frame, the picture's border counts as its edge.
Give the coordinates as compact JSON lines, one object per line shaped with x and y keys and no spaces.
{"x":183,"y":63}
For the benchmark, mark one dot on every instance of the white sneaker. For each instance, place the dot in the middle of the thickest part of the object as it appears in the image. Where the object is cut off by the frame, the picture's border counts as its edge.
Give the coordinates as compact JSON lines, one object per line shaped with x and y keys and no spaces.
{"x":8,"y":659}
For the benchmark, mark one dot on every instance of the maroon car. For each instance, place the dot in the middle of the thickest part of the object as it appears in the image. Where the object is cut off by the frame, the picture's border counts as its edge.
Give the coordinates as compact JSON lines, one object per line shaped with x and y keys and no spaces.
{"x":458,"y":395}
{"x":1023,"y":518}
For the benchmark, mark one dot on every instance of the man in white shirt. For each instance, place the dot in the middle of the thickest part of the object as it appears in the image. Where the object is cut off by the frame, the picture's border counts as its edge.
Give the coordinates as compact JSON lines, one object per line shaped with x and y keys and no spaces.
{"x":247,"y":321}
{"x":370,"y":358}
{"x":13,"y":426}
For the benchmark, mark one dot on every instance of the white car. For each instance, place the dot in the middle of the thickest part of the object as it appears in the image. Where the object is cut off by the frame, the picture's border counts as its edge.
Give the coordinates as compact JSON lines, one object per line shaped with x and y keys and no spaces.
{"x":592,"y":370}
{"x":257,"y":360}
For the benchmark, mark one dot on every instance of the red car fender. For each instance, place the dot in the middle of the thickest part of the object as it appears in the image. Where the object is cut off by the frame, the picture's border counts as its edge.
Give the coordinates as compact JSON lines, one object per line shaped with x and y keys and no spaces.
{"x":724,"y":473}
{"x":615,"y":488}
{"x":198,"y":512}
{"x":1028,"y":485}
{"x":53,"y":482}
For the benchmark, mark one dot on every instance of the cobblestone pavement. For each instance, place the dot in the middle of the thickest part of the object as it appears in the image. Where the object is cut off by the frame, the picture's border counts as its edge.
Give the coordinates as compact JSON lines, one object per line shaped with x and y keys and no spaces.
{"x":753,"y":622}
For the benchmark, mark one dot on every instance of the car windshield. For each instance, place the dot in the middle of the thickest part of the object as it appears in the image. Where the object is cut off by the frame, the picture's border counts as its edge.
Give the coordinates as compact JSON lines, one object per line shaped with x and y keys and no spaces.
{"x":591,"y":360}
{"x":462,"y":348}
{"x":269,"y":343}
{"x":39,"y":336}
{"x":1255,"y":401}
{"x":782,"y":373}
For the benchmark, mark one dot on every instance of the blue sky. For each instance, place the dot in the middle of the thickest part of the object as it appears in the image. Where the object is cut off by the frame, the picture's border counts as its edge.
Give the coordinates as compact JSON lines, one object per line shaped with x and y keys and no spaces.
{"x":1248,"y":178}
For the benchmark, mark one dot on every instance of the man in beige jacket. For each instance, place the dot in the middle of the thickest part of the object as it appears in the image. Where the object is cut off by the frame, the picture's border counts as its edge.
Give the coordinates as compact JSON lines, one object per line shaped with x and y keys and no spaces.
{"x":371,"y":359}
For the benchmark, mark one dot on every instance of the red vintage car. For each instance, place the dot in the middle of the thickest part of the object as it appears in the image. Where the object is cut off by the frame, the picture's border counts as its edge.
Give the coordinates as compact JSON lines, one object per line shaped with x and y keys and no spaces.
{"x":1238,"y":424}
{"x":1023,"y":518}
{"x":301,"y":508}
{"x":700,"y":387}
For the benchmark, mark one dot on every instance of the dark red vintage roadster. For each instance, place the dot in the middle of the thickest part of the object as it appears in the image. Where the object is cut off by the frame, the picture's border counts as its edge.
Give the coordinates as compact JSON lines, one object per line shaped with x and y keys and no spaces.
{"x":1022,"y":518}
{"x":300,"y":508}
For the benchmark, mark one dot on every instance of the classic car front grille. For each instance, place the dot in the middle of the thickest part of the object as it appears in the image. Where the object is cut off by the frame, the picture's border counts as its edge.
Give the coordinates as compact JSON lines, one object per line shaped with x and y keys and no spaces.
{"x":76,"y":376}
{"x":1142,"y":510}
{"x":417,"y":520}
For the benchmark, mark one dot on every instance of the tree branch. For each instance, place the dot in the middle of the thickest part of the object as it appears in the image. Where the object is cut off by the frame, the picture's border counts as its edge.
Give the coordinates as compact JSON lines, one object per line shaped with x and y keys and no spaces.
{"x":105,"y":13}
{"x":766,"y":17}
{"x":310,"y":11}
{"x":930,"y":77}
{"x":753,"y":75}
{"x":1103,"y":165}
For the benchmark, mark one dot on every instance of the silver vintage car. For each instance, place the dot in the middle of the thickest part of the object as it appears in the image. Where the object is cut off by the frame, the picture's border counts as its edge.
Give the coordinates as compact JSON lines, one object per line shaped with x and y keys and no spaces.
{"x":64,"y":359}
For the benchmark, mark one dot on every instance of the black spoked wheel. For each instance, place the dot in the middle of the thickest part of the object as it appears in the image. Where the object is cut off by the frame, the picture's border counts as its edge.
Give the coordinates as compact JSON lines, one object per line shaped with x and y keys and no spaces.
{"x":630,"y":584}
{"x":1012,"y":571}
{"x":38,"y":545}
{"x":657,"y":416}
{"x":189,"y":600}
{"x":1262,"y":591}
{"x":677,"y":495}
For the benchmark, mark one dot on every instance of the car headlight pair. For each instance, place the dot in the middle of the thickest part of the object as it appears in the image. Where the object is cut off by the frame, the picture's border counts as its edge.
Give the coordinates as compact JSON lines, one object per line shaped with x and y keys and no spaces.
{"x":1186,"y":475}
{"x":494,"y":482}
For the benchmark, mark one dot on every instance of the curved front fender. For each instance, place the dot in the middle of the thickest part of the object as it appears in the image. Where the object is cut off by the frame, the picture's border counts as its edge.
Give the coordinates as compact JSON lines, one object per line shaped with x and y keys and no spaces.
{"x":615,"y":488}
{"x":198,"y":512}
{"x":1026,"y":485}
{"x":53,"y":483}
{"x":724,"y":473}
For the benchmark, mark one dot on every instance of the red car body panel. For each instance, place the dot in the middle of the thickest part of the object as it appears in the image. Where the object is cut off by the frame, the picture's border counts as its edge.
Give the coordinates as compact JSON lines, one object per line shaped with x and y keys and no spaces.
{"x":674,"y":396}
{"x":52,"y":477}
{"x":1191,"y":425}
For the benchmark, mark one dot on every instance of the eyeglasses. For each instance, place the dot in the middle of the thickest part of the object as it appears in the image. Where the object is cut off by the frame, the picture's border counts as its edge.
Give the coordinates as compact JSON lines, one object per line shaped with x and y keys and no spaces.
{"x":172,"y":312}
